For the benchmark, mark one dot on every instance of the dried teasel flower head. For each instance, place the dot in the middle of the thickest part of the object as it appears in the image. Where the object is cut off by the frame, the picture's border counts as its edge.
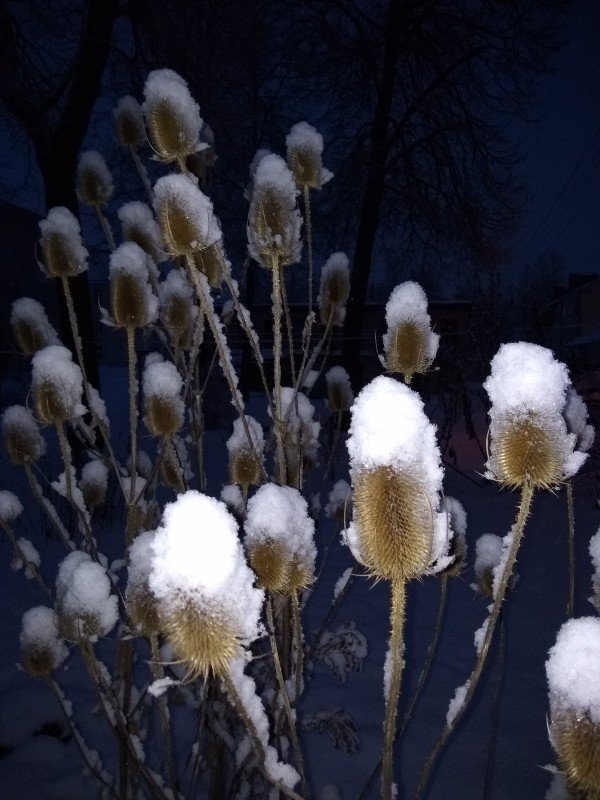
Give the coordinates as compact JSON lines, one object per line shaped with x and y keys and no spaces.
{"x":133,"y":303}
{"x":164,"y":408}
{"x":335,"y":289}
{"x":185,"y":215}
{"x":10,"y":508}
{"x":129,"y":122}
{"x":141,"y":604}
{"x":339,"y":391}
{"x":56,"y":385}
{"x":85,"y":607}
{"x":457,"y":521}
{"x":339,"y":502}
{"x":488,"y":554}
{"x":304,"y":156}
{"x":42,"y":649}
{"x":178,"y":311}
{"x":172,"y":116}
{"x":279,"y":539}
{"x":273,"y":219}
{"x":211,"y":261}
{"x":396,"y":477}
{"x":94,"y":185}
{"x":64,"y":253}
{"x":574,"y":694}
{"x":594,"y":550}
{"x":30,"y":326}
{"x":409,"y":343}
{"x":23,"y":441}
{"x":207,"y":605}
{"x":93,"y":483}
{"x":245,"y":462}
{"x":529,"y":441}
{"x":138,"y":225}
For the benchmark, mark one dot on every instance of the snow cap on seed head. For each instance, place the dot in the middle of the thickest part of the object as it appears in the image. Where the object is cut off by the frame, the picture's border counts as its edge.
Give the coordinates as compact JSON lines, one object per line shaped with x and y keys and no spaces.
{"x":245,"y":462}
{"x":576,"y":415}
{"x":64,"y":253}
{"x":410,"y":345}
{"x":94,"y":482}
{"x":133,"y":303}
{"x":129,"y":121}
{"x":138,"y":225}
{"x":42,"y":649}
{"x":339,"y":391}
{"x":85,"y":607}
{"x":335,"y":289}
{"x":23,"y":441}
{"x":56,"y":385}
{"x":95,"y":185}
{"x":207,"y":604}
{"x":178,"y":311}
{"x":185,"y":215}
{"x":529,"y":441}
{"x":164,"y":407}
{"x":30,"y":326}
{"x":10,"y":508}
{"x":140,"y":600}
{"x":304,"y":155}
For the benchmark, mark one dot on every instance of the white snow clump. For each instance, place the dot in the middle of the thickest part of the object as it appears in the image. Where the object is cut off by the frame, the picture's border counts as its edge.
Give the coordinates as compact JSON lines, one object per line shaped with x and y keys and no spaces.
{"x":572,"y":669}
{"x":83,"y":597}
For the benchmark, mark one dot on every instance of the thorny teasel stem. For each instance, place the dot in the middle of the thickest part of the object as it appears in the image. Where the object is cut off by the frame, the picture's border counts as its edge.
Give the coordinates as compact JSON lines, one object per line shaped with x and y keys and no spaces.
{"x":163,"y":710}
{"x":48,"y":508}
{"x":27,"y":564}
{"x":397,"y":617}
{"x":143,"y":177}
{"x":276,"y":300}
{"x":284,"y":692}
{"x":133,"y":416}
{"x":297,"y":628}
{"x":84,"y":527}
{"x":110,"y":239}
{"x":197,"y":338}
{"x":571,"y":543}
{"x":79,"y":740}
{"x":289,"y":329}
{"x":307,"y":217}
{"x":517,"y":535}
{"x":489,"y":767}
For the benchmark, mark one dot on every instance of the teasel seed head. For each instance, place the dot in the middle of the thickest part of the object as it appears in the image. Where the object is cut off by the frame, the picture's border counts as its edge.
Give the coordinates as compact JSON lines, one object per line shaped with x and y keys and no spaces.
{"x":23,"y":441}
{"x":208,"y":608}
{"x":335,"y":289}
{"x":42,"y":649}
{"x":93,"y":483}
{"x":270,"y":563}
{"x":138,"y":225}
{"x":211,"y":262}
{"x":525,"y":453}
{"x":177,"y":309}
{"x":409,"y":343}
{"x":129,"y":122}
{"x":30,"y":326}
{"x":246,"y":463}
{"x":94,"y":182}
{"x":170,"y":472}
{"x":64,"y":253}
{"x":273,"y":219}
{"x":574,"y":693}
{"x":85,"y":608}
{"x":133,"y":303}
{"x":172,"y":116}
{"x":141,"y":604}
{"x":304,"y":154}
{"x":185,"y":215}
{"x":164,"y":407}
{"x":56,"y":386}
{"x":339,"y":391}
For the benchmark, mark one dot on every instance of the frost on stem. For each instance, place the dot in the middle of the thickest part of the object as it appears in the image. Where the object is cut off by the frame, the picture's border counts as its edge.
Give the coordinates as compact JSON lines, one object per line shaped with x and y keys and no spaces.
{"x":172,"y":116}
{"x":64,"y":253}
{"x":94,"y":182}
{"x":138,"y":225}
{"x":186,"y":216}
{"x":339,"y":390}
{"x":10,"y":508}
{"x":279,"y":539}
{"x":595,"y":556}
{"x":245,"y":462}
{"x":56,"y":385}
{"x":207,"y":604}
{"x":133,"y":303}
{"x":85,"y":607}
{"x":23,"y":441}
{"x":164,"y":407}
{"x":304,"y":155}
{"x":334,"y":289}
{"x":129,"y":122}
{"x":529,"y":441}
{"x":273,"y":219}
{"x":30,"y":326}
{"x":574,"y":694}
{"x":488,"y":555}
{"x":30,"y":557}
{"x":42,"y":648}
{"x":410,"y":345}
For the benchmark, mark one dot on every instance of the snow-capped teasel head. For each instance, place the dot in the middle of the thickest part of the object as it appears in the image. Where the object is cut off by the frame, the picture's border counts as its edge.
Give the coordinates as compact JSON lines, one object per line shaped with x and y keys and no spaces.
{"x":64,"y":253}
{"x":594,"y":551}
{"x":42,"y":649}
{"x":334,"y":289}
{"x":133,"y":303}
{"x":339,"y":502}
{"x":177,"y":309}
{"x":574,"y":694}
{"x":185,"y":215}
{"x":129,"y":122}
{"x":409,"y":344}
{"x":172,"y":116}
{"x":56,"y":385}
{"x":207,"y":604}
{"x":138,"y":225}
{"x":141,"y":604}
{"x":23,"y":441}
{"x":273,"y":219}
{"x":305,"y":156}
{"x":245,"y":462}
{"x":576,"y":415}
{"x":339,"y":390}
{"x":279,"y":539}
{"x":164,"y":407}
{"x":488,"y":554}
{"x":10,"y":508}
{"x":94,"y":182}
{"x":93,"y":483}
{"x":396,"y":472}
{"x":30,"y":326}
{"x":529,"y":441}
{"x":85,"y":607}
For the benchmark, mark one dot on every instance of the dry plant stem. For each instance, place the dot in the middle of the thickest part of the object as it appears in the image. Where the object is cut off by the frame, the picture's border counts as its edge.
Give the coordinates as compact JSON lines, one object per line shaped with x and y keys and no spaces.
{"x":204,"y":704}
{"x":276,"y":300}
{"x":289,"y":329}
{"x":143,"y":177}
{"x":397,"y":616}
{"x":256,"y":743}
{"x":84,"y":527}
{"x":571,"y":542}
{"x":27,"y":564}
{"x":79,"y":740}
{"x":297,"y":629}
{"x":197,"y":338}
{"x":163,"y":710}
{"x":133,"y":418}
{"x":284,"y":693}
{"x":175,"y":460}
{"x":517,"y":531}
{"x":307,"y":217}
{"x":110,"y":239}
{"x":225,"y":365}
{"x":48,"y":508}
{"x":489,"y":767}
{"x":199,"y":435}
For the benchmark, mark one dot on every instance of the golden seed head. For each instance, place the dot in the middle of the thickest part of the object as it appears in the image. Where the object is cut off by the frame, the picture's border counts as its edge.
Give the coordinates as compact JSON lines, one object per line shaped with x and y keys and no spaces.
{"x":210,"y":261}
{"x":576,"y":740}
{"x":271,"y":564}
{"x":407,"y":351}
{"x":175,"y":314}
{"x":524,"y":452}
{"x":126,"y":301}
{"x":42,"y":650}
{"x":394,"y":522}
{"x":23,"y":441}
{"x":78,"y":628}
{"x":62,"y":247}
{"x":94,"y":182}
{"x":38,"y":662}
{"x":304,"y":154}
{"x":163,"y":416}
{"x":301,"y":575}
{"x":29,"y":338}
{"x":204,"y":642}
{"x":244,"y":468}
{"x":129,"y":121}
{"x":143,"y":611}
{"x":185,"y":215}
{"x":49,"y":404}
